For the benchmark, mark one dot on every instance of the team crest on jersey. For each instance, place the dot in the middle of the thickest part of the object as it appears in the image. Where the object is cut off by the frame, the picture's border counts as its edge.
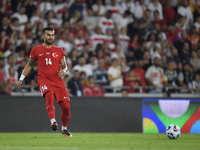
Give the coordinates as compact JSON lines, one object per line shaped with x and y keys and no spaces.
{"x":55,"y":55}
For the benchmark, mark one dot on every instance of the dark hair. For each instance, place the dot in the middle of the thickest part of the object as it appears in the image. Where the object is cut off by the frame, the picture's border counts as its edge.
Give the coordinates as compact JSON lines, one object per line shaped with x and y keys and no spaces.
{"x":184,"y":64}
{"x":149,"y":36}
{"x":147,"y":10}
{"x":127,"y":12}
{"x":131,"y":49}
{"x":10,"y":55}
{"x":22,"y":60}
{"x":80,"y":19}
{"x":66,"y":76}
{"x":86,"y":43}
{"x":171,"y":61}
{"x":22,"y":6}
{"x":81,"y":57}
{"x":114,"y":59}
{"x":167,"y":92}
{"x":14,"y":19}
{"x":82,"y":72}
{"x":156,"y":11}
{"x":63,"y":17}
{"x":90,"y":77}
{"x":75,"y":71}
{"x":124,"y":90}
{"x":47,"y":28}
{"x":28,"y":30}
{"x":109,"y":12}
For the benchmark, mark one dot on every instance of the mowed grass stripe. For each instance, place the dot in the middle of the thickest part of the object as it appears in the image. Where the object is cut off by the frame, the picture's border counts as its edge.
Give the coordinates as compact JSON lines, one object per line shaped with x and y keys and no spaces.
{"x":25,"y":147}
{"x":97,"y":141}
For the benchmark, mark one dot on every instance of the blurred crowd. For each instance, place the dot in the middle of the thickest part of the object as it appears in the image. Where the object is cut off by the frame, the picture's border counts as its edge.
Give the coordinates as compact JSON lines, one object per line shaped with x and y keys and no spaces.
{"x":131,"y":45}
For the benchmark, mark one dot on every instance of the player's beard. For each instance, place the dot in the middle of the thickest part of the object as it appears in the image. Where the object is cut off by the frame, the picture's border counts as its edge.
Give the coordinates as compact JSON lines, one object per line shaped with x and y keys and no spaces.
{"x":48,"y":42}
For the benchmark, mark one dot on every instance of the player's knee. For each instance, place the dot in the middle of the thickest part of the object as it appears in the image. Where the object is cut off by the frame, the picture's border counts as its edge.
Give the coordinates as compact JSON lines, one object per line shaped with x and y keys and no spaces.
{"x":65,"y":106}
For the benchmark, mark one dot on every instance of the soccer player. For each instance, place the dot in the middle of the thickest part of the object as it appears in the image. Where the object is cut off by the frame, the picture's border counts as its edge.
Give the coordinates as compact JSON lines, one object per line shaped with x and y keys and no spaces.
{"x":51,"y":66}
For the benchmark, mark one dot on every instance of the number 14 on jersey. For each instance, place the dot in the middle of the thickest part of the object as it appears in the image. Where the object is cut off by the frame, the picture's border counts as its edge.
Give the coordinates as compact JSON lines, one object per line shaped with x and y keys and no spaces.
{"x":48,"y":61}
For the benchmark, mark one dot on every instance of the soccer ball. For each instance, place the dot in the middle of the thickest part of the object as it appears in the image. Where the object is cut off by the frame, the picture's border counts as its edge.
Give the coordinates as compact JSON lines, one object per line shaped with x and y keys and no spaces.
{"x":173,"y":131}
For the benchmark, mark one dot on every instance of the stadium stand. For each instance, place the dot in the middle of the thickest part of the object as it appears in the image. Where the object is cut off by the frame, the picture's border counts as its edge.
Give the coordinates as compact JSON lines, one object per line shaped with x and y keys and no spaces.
{"x":130,"y":46}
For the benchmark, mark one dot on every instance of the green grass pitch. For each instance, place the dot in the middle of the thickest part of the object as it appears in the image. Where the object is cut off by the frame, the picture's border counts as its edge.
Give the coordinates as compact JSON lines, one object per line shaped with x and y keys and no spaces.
{"x":97,"y":141}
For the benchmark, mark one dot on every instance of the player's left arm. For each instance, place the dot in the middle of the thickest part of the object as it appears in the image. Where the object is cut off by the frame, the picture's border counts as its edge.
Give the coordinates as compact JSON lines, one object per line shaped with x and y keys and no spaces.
{"x":64,"y":69}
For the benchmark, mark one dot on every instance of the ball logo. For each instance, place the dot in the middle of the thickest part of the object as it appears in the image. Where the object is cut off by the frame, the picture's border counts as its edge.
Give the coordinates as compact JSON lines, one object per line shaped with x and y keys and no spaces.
{"x":55,"y":55}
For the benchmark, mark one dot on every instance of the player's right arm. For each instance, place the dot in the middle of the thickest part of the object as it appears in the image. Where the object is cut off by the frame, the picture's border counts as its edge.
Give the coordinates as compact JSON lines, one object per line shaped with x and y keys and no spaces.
{"x":26,"y":71}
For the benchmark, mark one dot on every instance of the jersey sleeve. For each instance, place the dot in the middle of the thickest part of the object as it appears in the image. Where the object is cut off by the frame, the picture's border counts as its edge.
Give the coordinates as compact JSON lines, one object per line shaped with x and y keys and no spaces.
{"x":62,"y":54}
{"x":33,"y":54}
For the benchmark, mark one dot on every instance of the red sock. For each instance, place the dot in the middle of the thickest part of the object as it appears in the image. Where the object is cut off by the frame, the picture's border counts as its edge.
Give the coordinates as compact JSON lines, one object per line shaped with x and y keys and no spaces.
{"x":65,"y":115}
{"x":49,"y":105}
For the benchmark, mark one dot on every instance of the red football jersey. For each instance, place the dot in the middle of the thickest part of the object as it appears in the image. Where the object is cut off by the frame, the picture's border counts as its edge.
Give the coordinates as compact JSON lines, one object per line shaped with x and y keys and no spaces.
{"x":48,"y":63}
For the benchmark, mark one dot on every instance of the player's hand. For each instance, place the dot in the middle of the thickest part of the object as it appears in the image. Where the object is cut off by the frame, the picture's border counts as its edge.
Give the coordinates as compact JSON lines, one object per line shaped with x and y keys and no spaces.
{"x":61,"y":73}
{"x":19,"y":83}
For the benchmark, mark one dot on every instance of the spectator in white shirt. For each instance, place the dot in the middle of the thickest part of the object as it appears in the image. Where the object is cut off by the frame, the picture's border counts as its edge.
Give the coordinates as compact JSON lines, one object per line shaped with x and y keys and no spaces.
{"x":11,"y":79}
{"x":154,"y":76}
{"x":51,"y":19}
{"x":175,"y":3}
{"x":140,"y":9}
{"x":153,"y":46}
{"x":196,"y":83}
{"x":79,"y":41}
{"x":147,"y":2}
{"x":106,"y":22}
{"x":93,"y":62}
{"x":11,"y":50}
{"x":82,"y":66}
{"x":186,"y":12}
{"x":71,"y":40}
{"x":46,"y":6}
{"x":128,"y":5}
{"x":69,"y":3}
{"x":73,"y":20}
{"x":64,"y":43}
{"x":114,"y":74}
{"x":15,"y":24}
{"x":89,"y":22}
{"x":122,"y":20}
{"x":124,"y":40}
{"x":99,"y":9}
{"x":117,"y":54}
{"x":59,"y":8}
{"x":114,"y":8}
{"x":36,"y":18}
{"x":21,"y":16}
{"x":11,"y":60}
{"x":155,"y":5}
{"x":109,"y":38}
{"x":97,"y":38}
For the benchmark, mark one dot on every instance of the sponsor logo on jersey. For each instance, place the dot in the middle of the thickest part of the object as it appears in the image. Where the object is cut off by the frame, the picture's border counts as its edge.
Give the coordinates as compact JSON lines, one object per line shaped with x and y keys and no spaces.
{"x":55,"y":55}
{"x":41,"y":54}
